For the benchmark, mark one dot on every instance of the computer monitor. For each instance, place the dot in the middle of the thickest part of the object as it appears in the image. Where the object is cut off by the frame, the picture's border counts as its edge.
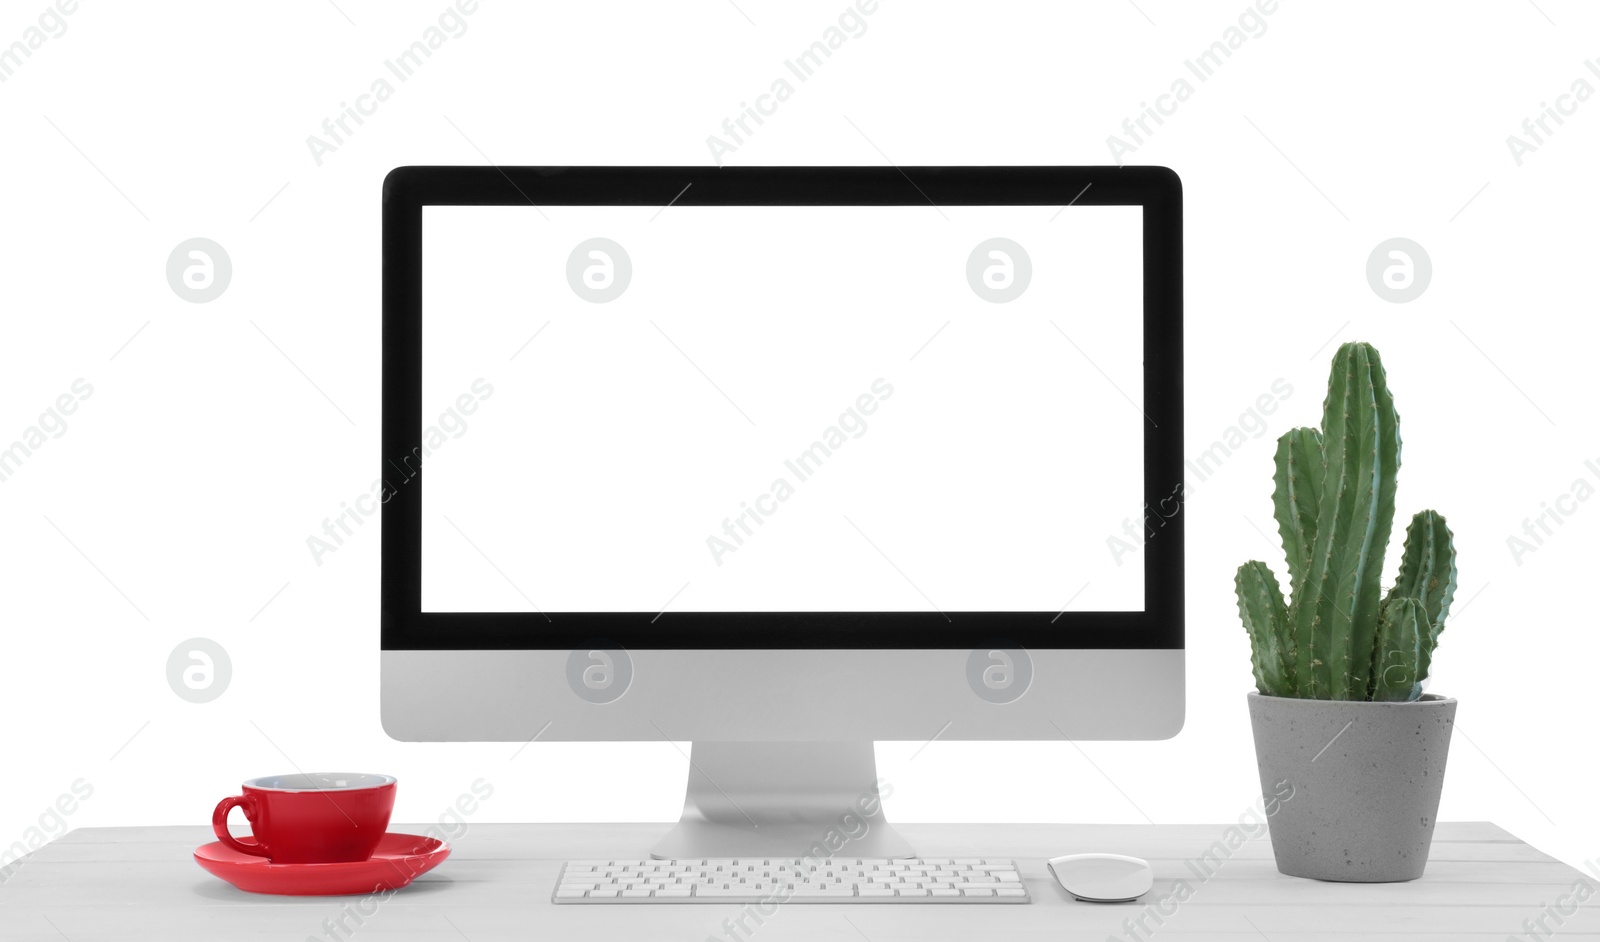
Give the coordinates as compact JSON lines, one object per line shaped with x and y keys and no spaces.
{"x":782,"y":461}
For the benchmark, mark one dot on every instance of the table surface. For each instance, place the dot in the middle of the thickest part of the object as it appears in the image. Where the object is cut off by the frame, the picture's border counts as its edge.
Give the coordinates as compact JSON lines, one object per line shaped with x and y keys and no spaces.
{"x":142,"y":883}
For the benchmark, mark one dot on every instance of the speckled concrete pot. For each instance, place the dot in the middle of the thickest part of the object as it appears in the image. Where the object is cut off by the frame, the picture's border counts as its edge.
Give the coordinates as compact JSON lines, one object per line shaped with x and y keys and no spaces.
{"x":1366,"y":779}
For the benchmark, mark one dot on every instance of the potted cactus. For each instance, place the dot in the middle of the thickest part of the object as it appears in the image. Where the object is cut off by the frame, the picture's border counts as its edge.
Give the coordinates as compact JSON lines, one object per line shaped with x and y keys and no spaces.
{"x":1339,"y":665}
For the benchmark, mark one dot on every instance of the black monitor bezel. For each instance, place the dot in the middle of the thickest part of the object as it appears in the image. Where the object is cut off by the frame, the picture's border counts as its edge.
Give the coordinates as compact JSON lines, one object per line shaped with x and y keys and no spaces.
{"x":406,"y":190}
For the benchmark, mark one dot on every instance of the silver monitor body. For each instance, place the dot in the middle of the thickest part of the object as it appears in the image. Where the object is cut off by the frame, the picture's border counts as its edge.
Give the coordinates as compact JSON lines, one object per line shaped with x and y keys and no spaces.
{"x":1022,"y":582}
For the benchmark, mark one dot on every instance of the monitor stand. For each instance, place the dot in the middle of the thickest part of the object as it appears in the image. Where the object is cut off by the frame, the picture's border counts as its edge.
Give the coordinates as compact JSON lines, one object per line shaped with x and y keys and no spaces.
{"x":782,"y":799}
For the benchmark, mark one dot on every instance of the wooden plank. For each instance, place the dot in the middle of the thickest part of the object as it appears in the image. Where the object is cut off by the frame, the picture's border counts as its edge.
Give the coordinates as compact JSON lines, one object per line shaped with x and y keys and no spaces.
{"x":580,"y":835}
{"x":1152,"y":849}
{"x":1236,"y":880}
{"x":1468,"y":841}
{"x":436,"y":930}
{"x":536,"y":918}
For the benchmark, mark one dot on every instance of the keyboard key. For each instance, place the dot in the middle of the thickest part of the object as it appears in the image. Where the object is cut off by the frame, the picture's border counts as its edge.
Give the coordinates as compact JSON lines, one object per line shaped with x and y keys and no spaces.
{"x":565,"y":893}
{"x":727,"y":892}
{"x":977,"y":891}
{"x":822,"y":890}
{"x":1011,"y":891}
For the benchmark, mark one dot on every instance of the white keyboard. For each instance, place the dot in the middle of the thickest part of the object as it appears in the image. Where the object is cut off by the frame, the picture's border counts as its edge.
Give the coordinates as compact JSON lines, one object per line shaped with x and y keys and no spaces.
{"x":798,"y":880}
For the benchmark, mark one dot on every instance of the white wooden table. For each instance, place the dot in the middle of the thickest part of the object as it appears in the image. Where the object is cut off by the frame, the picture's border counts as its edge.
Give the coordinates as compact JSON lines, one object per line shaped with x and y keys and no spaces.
{"x":127,"y":884}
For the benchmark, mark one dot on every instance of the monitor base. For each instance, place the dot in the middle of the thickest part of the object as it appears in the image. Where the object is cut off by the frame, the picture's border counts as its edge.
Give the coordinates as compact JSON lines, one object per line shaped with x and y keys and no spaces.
{"x":784,"y":799}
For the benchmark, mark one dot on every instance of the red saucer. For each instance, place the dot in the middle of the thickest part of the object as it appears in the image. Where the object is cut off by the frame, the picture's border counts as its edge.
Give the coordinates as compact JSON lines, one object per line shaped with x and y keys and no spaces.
{"x":399,"y":859}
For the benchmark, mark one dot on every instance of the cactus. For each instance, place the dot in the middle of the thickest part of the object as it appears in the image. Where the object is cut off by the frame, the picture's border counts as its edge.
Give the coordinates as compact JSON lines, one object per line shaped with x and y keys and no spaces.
{"x":1397,"y":671}
{"x":1298,"y":492}
{"x":1428,"y":574}
{"x":1262,"y":610}
{"x":1338,"y":638}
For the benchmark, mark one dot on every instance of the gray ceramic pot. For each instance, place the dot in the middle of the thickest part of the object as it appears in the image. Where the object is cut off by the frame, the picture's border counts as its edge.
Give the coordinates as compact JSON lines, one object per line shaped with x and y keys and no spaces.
{"x":1366,"y":780}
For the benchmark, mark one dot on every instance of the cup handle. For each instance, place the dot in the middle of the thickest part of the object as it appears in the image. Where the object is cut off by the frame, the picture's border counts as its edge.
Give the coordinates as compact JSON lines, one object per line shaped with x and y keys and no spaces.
{"x":219,"y":825}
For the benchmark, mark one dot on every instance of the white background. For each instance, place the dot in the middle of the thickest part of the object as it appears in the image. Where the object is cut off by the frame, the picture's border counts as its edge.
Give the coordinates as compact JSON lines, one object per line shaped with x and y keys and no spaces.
{"x":193,"y":475}
{"x":999,"y":455}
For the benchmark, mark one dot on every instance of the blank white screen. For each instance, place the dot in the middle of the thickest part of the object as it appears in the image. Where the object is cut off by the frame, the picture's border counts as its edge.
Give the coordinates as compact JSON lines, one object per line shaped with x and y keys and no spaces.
{"x":620,"y":445}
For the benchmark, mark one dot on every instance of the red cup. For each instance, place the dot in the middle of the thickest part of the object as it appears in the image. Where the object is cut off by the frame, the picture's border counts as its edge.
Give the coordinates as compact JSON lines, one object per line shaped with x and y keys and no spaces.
{"x":322,"y":817}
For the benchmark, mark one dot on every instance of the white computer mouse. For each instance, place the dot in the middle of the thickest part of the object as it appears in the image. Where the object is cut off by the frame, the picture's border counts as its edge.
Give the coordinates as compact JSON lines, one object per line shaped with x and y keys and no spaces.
{"x":1103,"y":878}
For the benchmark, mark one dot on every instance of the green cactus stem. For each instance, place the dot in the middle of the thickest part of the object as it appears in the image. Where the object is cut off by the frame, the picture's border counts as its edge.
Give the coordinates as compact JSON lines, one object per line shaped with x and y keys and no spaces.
{"x":1265,"y":618}
{"x":1336,"y":611}
{"x":1298,"y":491}
{"x":1401,"y":635}
{"x":1428,"y":573}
